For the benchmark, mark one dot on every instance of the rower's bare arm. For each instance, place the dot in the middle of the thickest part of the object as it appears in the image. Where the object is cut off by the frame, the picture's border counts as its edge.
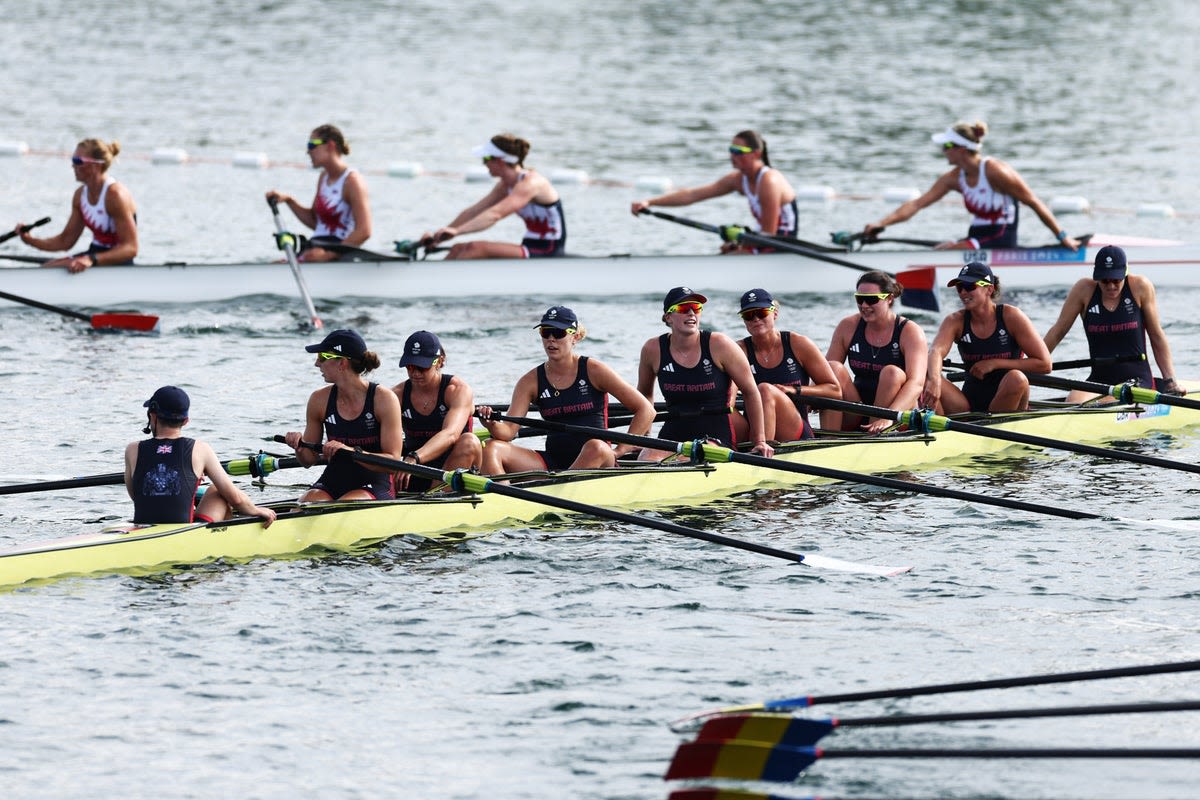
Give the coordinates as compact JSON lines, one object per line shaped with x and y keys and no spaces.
{"x":730,"y":358}
{"x":1144,"y":294}
{"x":1073,"y":307}
{"x":460,"y":401}
{"x":915,"y":349}
{"x":131,"y":454}
{"x":314,"y":430}
{"x":1037,"y":355}
{"x":607,"y":380}
{"x":839,"y":343}
{"x":210,"y":467}
{"x":824,"y":381}
{"x":909,"y":208}
{"x":67,"y":237}
{"x":490,"y":199}
{"x":119,"y":205}
{"x":1008,"y":181}
{"x":524,"y":395}
{"x":648,"y":369}
{"x":685,"y":197}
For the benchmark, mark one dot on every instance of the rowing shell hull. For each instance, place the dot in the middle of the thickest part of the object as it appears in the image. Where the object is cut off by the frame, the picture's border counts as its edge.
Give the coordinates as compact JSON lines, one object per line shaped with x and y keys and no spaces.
{"x":1169,"y":264}
{"x":343,"y":527}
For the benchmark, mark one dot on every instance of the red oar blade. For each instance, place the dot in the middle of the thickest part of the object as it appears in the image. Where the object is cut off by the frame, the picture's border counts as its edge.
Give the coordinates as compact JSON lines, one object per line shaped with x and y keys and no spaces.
{"x":768,"y":728}
{"x":920,"y":288}
{"x":750,"y":761}
{"x":125,"y":322}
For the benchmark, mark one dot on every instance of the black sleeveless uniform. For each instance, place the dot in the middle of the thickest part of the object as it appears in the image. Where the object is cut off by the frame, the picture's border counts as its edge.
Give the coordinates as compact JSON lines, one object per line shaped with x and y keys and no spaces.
{"x":867,"y":361}
{"x":1121,"y":332}
{"x":581,"y":403}
{"x":344,"y":474}
{"x":164,"y":483}
{"x":689,"y":391}
{"x":1000,"y":344}
{"x":788,"y":372}
{"x":420,"y":428}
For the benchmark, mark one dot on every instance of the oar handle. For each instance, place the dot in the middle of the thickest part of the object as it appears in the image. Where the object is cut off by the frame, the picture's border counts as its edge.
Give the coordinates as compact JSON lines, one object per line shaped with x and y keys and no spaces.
{"x":691,"y":223}
{"x":290,"y":253}
{"x":23,"y":229}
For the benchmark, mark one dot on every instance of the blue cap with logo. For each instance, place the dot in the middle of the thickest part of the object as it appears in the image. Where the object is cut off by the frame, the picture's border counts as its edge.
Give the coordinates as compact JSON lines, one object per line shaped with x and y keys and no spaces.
{"x":343,"y":342}
{"x":1110,"y":264}
{"x":421,"y":350}
{"x":682,"y":294}
{"x":169,"y":403}
{"x":757,"y":298}
{"x":559,"y":317}
{"x":973,"y":273}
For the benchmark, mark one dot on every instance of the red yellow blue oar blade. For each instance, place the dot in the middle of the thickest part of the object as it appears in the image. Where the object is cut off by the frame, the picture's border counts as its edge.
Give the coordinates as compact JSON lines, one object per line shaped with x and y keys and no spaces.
{"x":748,"y":761}
{"x":712,"y":793}
{"x":768,"y":728}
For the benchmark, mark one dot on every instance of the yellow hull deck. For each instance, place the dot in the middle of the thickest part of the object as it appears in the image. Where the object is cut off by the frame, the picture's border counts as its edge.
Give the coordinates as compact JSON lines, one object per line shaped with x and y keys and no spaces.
{"x":300,"y":529}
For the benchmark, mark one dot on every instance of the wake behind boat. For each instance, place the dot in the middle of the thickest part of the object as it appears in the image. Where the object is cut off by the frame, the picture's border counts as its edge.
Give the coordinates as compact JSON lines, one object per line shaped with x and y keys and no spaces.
{"x":1164,"y":262}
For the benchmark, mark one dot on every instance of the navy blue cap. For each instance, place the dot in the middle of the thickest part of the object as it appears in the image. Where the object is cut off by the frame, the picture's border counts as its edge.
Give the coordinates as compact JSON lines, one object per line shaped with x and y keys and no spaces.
{"x":344,"y":342}
{"x":1110,"y":264}
{"x":559,"y":317}
{"x":170,"y":403}
{"x":757,"y":298}
{"x":421,"y":350}
{"x":973,"y":273}
{"x":682,"y":294}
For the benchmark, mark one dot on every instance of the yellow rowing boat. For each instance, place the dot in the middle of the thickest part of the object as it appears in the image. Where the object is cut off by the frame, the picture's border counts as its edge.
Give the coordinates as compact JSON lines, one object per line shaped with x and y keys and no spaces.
{"x":302,"y":529}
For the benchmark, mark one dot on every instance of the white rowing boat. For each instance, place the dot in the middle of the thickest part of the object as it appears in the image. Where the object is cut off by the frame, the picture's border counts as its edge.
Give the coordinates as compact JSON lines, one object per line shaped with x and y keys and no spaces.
{"x":1166,"y":263}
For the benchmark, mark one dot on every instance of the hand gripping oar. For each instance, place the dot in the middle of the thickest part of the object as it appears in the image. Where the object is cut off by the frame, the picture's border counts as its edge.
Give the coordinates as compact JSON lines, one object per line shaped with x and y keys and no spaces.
{"x":716,"y":453}
{"x":257,"y":466}
{"x":481,"y":484}
{"x":757,"y":761}
{"x":1125,"y":392}
{"x":805,"y":732}
{"x":925,"y":421}
{"x":289,"y":249}
{"x":106,"y":321}
{"x":809,"y":700}
{"x":24,"y":229}
{"x":919,"y":291}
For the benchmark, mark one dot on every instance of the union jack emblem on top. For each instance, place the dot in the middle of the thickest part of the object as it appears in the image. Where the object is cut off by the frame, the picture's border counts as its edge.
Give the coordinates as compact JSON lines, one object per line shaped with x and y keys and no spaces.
{"x":163,"y":449}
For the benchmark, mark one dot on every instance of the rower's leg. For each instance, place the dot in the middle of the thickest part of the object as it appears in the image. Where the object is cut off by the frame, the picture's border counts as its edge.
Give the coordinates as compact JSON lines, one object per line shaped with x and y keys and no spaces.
{"x":1013,"y":394}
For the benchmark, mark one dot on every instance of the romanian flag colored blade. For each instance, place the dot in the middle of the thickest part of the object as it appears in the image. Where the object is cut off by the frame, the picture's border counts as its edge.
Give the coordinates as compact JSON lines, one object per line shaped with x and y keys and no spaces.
{"x":750,"y":761}
{"x":712,"y":793}
{"x":768,"y":728}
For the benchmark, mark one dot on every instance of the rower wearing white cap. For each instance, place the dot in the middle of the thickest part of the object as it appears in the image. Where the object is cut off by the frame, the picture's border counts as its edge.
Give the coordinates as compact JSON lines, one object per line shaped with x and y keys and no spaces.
{"x":519,"y":190}
{"x":991,"y":191}
{"x":1119,"y":312}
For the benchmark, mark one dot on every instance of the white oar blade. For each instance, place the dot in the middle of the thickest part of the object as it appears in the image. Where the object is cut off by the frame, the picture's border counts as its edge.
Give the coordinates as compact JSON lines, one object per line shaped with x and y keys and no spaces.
{"x":825,"y":562}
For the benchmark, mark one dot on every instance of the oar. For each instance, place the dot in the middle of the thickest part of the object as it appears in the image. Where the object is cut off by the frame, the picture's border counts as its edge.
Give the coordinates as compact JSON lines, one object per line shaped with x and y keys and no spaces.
{"x":481,"y":484}
{"x":23,"y":229}
{"x":918,"y":285}
{"x":357,"y":253}
{"x":258,"y":465}
{"x":716,"y":453}
{"x":805,"y":732}
{"x":807,"y":701}
{"x":848,"y":239}
{"x":118,"y":321}
{"x":925,"y":421}
{"x":1079,"y":363}
{"x":756,"y":761}
{"x":290,"y":251}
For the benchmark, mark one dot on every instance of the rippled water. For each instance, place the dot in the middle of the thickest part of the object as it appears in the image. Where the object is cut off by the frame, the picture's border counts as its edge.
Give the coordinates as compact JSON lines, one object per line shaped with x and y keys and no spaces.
{"x":540,"y":662}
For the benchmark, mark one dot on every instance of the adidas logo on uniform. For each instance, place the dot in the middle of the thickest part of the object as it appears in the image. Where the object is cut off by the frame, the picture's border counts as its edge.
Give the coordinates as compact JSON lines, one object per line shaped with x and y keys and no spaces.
{"x":545,"y":393}
{"x":1094,"y":309}
{"x":668,"y":367}
{"x":854,"y":347}
{"x":966,"y":337}
{"x":331,"y":420}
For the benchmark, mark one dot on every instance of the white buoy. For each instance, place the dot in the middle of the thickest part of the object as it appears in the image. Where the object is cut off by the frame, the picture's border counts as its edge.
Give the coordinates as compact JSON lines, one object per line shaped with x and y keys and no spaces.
{"x":566,"y":175}
{"x":404,"y":169}
{"x":815,"y":194}
{"x":653,"y":184}
{"x":1156,"y":210}
{"x":901,"y":194}
{"x":169,"y":155}
{"x":13,"y":148}
{"x":1070,"y":205}
{"x":477,"y":175}
{"x":251,"y":160}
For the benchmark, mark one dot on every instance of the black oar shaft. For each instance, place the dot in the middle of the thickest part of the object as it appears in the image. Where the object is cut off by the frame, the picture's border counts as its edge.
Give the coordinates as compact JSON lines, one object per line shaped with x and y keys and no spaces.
{"x":1021,"y":713}
{"x":996,"y":683}
{"x":237,"y":466}
{"x":922,"y":420}
{"x":1136,"y":394}
{"x":482,"y":484}
{"x":66,"y":312}
{"x":1015,"y":752}
{"x":24,"y":229}
{"x":725,"y":454}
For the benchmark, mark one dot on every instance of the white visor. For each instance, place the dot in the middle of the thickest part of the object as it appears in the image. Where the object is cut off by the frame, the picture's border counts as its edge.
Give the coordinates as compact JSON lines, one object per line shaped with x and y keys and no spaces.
{"x":490,"y":149}
{"x":953,"y":137}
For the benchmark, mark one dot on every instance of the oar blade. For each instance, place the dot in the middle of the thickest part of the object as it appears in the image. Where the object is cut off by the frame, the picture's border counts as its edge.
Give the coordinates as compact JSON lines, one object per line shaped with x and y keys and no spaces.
{"x":749,"y":761}
{"x":920,"y":288}
{"x":827,"y":562}
{"x":125,"y":322}
{"x":767,"y":728}
{"x":713,"y":793}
